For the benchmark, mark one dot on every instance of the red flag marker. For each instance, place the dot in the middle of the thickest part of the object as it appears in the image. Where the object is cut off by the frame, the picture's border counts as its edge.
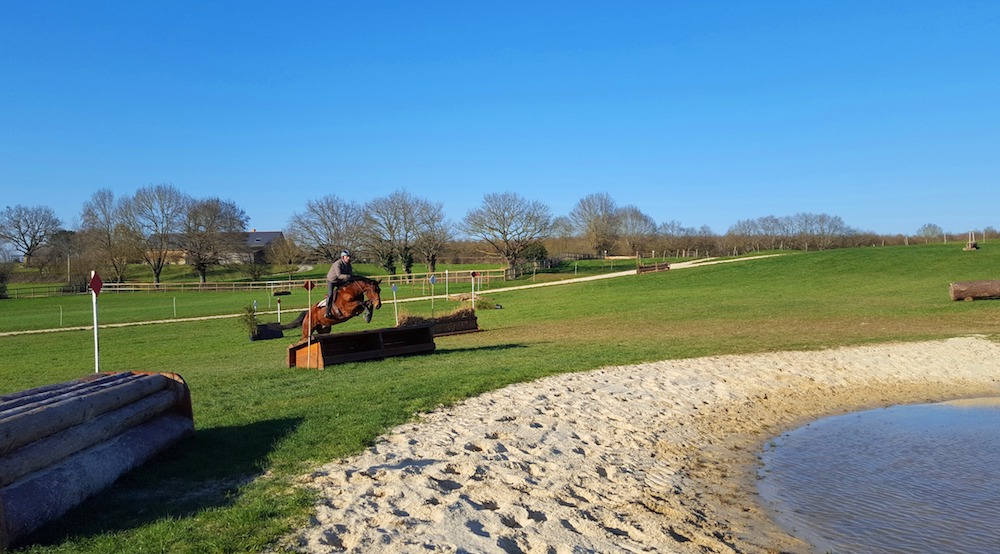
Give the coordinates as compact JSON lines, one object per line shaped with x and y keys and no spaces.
{"x":96,"y":282}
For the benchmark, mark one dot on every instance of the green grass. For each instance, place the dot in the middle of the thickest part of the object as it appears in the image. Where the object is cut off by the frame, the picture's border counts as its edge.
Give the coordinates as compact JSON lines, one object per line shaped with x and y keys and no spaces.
{"x":260,"y":424}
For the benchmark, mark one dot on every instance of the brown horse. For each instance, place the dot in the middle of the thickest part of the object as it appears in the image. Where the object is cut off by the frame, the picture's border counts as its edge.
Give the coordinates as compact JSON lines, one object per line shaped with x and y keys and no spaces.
{"x":358,"y":296}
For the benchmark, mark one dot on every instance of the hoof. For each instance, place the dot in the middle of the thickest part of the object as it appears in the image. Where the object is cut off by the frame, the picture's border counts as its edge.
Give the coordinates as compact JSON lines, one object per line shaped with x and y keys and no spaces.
{"x":368,"y":317}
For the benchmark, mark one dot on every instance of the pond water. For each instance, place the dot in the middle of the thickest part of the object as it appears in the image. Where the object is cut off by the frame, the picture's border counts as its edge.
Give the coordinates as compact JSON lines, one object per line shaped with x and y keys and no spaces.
{"x":920,"y":478}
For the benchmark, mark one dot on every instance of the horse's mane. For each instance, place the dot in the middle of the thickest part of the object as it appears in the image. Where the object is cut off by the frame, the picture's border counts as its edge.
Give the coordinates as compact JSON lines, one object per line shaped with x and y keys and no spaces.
{"x":363,"y":279}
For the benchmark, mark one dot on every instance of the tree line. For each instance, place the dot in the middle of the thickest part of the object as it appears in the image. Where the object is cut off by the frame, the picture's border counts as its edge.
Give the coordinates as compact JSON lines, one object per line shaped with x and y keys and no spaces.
{"x":154,"y":224}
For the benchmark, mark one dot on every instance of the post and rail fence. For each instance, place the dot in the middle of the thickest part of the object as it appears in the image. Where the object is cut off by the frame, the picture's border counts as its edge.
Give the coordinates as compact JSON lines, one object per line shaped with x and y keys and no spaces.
{"x":443,"y":278}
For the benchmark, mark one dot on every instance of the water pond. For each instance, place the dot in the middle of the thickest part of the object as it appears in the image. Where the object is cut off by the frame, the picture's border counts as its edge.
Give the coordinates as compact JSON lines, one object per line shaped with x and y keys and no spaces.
{"x":917,"y":478}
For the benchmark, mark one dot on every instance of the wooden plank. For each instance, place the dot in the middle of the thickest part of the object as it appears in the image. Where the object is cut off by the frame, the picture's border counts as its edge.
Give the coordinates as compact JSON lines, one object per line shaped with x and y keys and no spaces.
{"x":366,"y":355}
{"x":410,"y":349}
{"x":307,"y":355}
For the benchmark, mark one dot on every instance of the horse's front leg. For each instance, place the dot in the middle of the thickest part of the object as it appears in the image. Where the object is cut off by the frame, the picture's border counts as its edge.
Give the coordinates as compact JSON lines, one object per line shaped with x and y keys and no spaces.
{"x":368,"y":311}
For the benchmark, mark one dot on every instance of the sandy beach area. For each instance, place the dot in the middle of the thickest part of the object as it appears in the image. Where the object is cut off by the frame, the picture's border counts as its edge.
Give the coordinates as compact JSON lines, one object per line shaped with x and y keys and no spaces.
{"x":658,"y":457}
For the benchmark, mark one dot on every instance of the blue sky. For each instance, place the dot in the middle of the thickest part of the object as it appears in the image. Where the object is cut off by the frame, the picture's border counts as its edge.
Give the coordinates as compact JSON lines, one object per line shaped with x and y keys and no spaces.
{"x":885,"y":113}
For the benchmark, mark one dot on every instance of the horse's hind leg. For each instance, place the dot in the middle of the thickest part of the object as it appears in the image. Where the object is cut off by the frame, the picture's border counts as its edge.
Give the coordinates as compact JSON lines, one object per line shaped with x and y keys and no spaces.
{"x":307,"y":324}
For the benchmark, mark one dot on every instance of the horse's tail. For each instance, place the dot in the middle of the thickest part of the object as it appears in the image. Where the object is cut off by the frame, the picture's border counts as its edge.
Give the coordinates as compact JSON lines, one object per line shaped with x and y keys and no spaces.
{"x":297,"y":323}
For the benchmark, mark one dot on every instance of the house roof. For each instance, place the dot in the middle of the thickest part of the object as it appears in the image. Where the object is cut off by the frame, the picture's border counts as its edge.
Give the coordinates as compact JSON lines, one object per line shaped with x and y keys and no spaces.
{"x":255,"y":240}
{"x":260,"y":239}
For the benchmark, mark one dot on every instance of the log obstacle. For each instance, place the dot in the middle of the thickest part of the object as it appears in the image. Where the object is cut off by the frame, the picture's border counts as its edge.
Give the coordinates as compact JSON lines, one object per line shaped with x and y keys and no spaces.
{"x":655,"y":267}
{"x":974,"y":290}
{"x":61,"y":443}
{"x":336,"y":348}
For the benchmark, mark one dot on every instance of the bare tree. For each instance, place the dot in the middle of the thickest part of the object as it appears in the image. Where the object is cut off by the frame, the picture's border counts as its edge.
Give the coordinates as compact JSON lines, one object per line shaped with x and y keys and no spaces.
{"x":830,"y":231}
{"x":63,"y":255}
{"x":382,"y":252}
{"x":802,"y":231}
{"x":154,"y":216}
{"x":283,"y":255}
{"x":508,"y":223}
{"x":759,"y":234}
{"x":104,"y":231}
{"x":930,"y":231}
{"x":27,"y":228}
{"x":637,"y":228}
{"x":328,"y":225}
{"x":596,"y":217}
{"x":774,"y":231}
{"x":562,"y":240}
{"x":433,"y":233}
{"x":251,"y":266}
{"x":391,"y":227}
{"x":213,"y":230}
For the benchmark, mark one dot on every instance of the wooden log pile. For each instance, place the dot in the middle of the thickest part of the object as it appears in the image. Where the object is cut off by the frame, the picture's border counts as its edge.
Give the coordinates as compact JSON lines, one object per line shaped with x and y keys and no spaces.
{"x":975,"y":290}
{"x":61,"y":443}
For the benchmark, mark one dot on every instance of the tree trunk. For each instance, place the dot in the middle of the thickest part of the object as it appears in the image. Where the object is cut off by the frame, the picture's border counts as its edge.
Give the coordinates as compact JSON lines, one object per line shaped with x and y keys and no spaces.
{"x":975,"y":290}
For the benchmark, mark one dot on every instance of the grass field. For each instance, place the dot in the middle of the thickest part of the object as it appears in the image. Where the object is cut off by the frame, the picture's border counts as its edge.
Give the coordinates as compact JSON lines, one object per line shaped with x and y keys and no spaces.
{"x":259,"y":424}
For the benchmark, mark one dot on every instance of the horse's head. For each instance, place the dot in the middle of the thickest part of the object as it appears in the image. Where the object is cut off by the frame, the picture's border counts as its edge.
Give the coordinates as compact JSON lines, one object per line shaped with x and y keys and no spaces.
{"x":372,"y":291}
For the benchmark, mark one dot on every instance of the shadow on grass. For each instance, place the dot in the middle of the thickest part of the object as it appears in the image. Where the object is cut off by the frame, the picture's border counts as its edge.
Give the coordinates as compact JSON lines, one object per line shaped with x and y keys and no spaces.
{"x":202,"y":472}
{"x":488,"y":348}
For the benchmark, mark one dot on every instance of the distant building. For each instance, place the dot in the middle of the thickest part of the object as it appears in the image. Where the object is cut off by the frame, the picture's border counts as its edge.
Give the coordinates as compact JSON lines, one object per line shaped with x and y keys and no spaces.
{"x":258,"y":241}
{"x":256,"y":245}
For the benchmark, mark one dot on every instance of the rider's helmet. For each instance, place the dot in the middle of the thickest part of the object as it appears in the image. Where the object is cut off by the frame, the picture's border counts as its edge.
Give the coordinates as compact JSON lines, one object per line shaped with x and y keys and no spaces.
{"x":345,"y":253}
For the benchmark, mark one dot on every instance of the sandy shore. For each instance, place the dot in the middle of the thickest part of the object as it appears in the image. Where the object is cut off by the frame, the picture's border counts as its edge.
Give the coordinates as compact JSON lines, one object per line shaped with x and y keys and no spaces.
{"x":656,"y":457}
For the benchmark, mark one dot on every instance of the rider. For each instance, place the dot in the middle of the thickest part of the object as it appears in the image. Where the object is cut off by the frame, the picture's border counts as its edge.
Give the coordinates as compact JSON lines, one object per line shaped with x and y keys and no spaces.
{"x":340,"y":273}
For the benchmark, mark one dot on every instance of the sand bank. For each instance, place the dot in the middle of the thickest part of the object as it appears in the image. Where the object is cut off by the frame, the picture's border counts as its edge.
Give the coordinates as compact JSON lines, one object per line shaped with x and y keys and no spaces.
{"x":659,"y":457}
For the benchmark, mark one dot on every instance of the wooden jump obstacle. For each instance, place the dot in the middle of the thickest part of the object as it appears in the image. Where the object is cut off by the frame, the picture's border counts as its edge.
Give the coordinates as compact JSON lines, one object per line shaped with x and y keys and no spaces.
{"x":972,"y":244}
{"x":975,"y":290}
{"x":337,"y":348}
{"x":445,"y":326}
{"x":652,"y":268}
{"x":61,"y":443}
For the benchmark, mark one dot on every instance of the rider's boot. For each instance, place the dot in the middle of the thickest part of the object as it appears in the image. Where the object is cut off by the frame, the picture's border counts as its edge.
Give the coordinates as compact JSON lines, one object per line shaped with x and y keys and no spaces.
{"x":330,"y":305}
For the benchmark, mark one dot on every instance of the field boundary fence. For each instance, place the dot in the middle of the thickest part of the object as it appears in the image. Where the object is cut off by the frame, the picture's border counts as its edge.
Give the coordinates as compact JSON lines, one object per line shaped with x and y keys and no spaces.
{"x":484,"y":277}
{"x":443,"y":279}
